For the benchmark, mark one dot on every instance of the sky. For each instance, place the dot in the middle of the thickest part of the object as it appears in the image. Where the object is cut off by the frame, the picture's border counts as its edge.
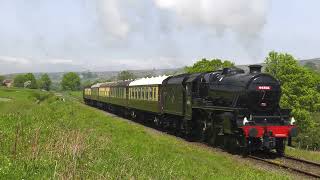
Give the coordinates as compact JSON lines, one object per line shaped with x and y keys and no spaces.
{"x":109,"y":35}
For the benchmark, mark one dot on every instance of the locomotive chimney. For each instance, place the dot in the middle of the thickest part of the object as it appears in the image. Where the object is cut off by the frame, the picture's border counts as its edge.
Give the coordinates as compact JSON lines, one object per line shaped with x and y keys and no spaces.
{"x":255,"y":68}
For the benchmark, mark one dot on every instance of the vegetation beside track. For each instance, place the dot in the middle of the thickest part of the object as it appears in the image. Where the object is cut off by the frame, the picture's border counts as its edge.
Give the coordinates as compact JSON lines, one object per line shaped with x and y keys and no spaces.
{"x":46,"y":136}
{"x":303,"y":154}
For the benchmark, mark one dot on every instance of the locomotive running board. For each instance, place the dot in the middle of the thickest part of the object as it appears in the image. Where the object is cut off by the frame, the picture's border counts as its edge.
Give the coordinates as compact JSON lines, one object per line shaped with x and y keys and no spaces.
{"x":219,"y":108}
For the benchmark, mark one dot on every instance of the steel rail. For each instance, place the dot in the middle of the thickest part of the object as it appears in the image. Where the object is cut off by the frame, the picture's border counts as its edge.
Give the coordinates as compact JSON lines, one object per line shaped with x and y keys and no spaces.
{"x":302,"y":160}
{"x":287,"y":167}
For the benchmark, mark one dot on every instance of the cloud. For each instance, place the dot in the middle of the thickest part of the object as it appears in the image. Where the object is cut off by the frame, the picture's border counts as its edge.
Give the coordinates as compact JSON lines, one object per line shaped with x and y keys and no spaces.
{"x":14,"y":60}
{"x":22,"y":65}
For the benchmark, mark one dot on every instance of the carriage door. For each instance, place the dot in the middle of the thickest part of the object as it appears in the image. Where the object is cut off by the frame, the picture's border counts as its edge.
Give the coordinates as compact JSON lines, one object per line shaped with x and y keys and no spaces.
{"x":188,"y":103}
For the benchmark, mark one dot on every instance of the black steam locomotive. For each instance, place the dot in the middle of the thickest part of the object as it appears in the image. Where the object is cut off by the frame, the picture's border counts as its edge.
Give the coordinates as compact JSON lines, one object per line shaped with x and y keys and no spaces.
{"x":227,"y":107}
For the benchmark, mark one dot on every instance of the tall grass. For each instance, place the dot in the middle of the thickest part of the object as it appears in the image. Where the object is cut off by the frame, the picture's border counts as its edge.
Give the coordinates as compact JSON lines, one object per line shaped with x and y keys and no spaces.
{"x":57,"y":139}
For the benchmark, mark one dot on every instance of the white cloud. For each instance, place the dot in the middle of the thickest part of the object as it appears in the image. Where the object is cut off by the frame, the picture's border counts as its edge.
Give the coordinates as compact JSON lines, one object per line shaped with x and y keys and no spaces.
{"x":59,"y":61}
{"x":14,"y":60}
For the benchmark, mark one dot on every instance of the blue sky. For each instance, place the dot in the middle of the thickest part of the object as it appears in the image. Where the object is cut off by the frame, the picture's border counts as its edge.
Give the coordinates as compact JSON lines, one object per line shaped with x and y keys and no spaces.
{"x":104,"y":35}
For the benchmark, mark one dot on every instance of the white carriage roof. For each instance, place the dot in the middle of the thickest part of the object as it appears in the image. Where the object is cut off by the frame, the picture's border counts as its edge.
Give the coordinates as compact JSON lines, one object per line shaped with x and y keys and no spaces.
{"x":96,"y":85}
{"x":148,"y":81}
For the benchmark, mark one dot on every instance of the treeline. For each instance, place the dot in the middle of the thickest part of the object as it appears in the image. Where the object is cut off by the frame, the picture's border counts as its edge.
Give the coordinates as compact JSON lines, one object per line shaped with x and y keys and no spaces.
{"x":70,"y":81}
{"x":29,"y":81}
{"x":300,"y":91}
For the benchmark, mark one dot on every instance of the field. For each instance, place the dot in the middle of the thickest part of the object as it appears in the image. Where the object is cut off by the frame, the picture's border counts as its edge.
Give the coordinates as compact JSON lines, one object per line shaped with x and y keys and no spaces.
{"x":43,"y":136}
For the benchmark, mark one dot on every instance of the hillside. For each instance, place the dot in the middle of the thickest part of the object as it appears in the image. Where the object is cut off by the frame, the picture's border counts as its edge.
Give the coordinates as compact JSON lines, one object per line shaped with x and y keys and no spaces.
{"x":93,"y":76}
{"x":111,"y":75}
{"x":44,"y":136}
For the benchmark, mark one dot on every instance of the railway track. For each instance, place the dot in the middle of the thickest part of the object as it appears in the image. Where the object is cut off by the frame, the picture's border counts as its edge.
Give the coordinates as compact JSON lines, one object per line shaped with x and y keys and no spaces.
{"x":300,"y":166}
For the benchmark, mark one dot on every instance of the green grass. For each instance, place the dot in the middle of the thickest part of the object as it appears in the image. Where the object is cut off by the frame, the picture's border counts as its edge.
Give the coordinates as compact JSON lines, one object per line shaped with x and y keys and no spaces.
{"x":300,"y":153}
{"x":44,"y":137}
{"x":76,"y":94}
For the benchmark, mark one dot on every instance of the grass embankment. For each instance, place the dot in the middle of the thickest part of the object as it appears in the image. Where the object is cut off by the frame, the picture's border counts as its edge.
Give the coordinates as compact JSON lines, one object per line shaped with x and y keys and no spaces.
{"x":43,"y":137}
{"x":300,"y":153}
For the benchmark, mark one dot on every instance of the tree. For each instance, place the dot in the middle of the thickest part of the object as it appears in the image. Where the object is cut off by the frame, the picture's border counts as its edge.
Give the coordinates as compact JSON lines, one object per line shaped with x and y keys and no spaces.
{"x":33,"y":82}
{"x":70,"y":81}
{"x":311,"y":65}
{"x":1,"y":80}
{"x":19,"y":80}
{"x":125,"y":75}
{"x":45,"y":82}
{"x":300,"y":93}
{"x":299,"y":85}
{"x":205,"y":65}
{"x":89,"y":75}
{"x":86,"y":83}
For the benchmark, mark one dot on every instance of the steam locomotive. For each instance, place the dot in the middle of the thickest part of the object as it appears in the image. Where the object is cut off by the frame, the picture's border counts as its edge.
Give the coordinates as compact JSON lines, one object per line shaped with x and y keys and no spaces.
{"x":229,"y":107}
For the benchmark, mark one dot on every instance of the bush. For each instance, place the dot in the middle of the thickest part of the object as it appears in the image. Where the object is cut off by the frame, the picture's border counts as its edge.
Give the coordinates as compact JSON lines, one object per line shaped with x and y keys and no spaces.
{"x":40,"y":96}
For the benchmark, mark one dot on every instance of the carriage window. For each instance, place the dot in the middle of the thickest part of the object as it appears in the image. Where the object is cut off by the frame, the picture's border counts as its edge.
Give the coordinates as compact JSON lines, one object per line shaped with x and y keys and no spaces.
{"x":150,"y":93}
{"x":133,"y":93}
{"x":157,"y":93}
{"x":147,"y":93}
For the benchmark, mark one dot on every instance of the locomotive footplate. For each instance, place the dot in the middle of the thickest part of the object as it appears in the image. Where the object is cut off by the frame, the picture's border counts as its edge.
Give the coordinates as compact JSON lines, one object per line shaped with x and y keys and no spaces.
{"x":270,"y":131}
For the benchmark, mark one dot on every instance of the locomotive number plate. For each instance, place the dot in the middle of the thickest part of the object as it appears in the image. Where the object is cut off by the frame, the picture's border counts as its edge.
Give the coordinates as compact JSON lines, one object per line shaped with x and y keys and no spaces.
{"x":264,"y":87}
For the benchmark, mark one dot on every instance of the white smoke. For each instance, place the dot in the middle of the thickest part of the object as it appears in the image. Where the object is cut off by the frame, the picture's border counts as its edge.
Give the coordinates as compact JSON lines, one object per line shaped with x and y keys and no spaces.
{"x":169,"y":32}
{"x":160,"y":22}
{"x":246,"y":17}
{"x":241,"y":16}
{"x":113,"y":20}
